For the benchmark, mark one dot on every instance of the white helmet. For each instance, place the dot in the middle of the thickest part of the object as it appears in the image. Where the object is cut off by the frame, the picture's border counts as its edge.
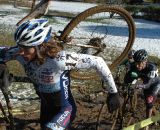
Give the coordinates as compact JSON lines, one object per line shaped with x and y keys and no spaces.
{"x":32,"y":33}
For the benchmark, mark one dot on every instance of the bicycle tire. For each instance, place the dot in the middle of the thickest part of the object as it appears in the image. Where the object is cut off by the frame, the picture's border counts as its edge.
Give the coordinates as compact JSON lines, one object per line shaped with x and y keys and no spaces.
{"x":93,"y":11}
{"x":134,"y":105}
{"x":128,"y":115}
{"x":111,"y":117}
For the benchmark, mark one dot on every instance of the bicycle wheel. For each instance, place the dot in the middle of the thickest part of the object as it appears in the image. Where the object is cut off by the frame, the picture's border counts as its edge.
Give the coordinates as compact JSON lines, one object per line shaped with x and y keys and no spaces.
{"x":108,"y":37}
{"x":128,"y":111}
{"x":110,"y":120}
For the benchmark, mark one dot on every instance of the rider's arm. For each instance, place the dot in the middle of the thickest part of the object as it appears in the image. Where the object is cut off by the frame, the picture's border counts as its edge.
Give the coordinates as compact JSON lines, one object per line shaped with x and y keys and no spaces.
{"x":84,"y":61}
{"x":152,"y":76}
{"x":8,"y":53}
{"x":130,"y":76}
{"x":150,"y":82}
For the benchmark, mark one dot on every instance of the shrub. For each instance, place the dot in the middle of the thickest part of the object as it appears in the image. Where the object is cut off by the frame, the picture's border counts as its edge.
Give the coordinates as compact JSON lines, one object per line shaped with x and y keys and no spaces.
{"x":147,"y":12}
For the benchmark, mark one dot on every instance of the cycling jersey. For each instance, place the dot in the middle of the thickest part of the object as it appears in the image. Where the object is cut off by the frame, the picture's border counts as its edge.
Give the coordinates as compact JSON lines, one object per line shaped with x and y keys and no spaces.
{"x":150,"y":79}
{"x":48,"y":74}
{"x":52,"y":78}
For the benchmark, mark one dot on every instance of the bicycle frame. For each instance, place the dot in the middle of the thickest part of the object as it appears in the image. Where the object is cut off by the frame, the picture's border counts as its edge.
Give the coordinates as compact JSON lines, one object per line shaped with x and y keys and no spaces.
{"x":9,"y":118}
{"x":130,"y":97}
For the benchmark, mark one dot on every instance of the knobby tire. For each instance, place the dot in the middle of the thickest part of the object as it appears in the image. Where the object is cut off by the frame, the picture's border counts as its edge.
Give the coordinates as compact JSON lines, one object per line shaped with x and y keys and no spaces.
{"x":99,"y":9}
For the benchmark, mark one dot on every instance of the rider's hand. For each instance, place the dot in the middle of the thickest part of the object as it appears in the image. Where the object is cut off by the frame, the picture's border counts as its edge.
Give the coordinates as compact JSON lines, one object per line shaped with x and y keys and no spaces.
{"x":140,"y":86}
{"x":113,"y":101}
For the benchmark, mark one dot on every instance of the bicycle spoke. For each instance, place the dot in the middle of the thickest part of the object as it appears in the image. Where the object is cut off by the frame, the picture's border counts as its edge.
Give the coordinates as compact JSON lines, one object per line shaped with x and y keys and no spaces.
{"x":113,"y":36}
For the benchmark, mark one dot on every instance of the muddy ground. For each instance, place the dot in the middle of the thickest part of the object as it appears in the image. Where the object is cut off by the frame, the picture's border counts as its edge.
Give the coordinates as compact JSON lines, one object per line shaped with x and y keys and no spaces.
{"x":90,"y":101}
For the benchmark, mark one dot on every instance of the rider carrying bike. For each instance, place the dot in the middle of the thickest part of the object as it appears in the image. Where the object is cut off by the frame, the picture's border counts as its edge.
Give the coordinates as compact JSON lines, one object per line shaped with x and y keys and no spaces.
{"x":48,"y":66}
{"x":148,"y":73}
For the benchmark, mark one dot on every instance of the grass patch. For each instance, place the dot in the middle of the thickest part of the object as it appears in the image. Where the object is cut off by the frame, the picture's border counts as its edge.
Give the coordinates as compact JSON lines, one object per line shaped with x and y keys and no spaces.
{"x":7,"y":39}
{"x":7,"y":35}
{"x":149,"y":12}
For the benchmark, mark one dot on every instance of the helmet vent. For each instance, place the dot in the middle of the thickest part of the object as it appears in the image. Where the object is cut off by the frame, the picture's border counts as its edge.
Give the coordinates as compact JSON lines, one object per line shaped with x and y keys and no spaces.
{"x":37,"y":39}
{"x":38,"y":32}
{"x":19,"y":32}
{"x":24,"y":38}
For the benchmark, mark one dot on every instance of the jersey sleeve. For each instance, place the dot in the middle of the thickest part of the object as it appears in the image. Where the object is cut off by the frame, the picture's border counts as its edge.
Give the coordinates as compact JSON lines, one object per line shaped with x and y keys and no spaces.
{"x":8,"y":53}
{"x":153,"y":71}
{"x":130,"y":76}
{"x":84,"y":61}
{"x":152,"y":75}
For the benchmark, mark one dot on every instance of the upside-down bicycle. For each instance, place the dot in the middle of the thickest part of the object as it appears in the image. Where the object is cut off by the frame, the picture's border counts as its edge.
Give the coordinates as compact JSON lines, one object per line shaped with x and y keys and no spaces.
{"x":95,"y":32}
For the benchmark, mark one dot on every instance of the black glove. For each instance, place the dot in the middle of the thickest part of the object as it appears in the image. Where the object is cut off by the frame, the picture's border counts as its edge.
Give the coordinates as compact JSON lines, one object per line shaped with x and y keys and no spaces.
{"x":5,"y":77}
{"x":113,"y":101}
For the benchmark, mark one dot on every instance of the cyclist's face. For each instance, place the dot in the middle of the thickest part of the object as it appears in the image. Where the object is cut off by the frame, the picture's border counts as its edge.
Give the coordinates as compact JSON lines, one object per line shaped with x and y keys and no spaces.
{"x":27,"y":53}
{"x":140,"y":65}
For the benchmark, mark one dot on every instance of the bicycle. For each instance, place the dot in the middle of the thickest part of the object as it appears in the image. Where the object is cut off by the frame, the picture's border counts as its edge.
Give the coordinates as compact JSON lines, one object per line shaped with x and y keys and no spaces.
{"x":129,"y":93}
{"x":101,"y":35}
{"x":7,"y":115}
{"x":4,"y":118}
{"x":123,"y":116}
{"x":127,"y":113}
{"x":6,"y":111}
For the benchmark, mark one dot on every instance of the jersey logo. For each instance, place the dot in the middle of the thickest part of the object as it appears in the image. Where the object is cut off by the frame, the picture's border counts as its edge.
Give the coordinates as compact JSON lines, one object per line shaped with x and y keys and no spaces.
{"x":46,"y":76}
{"x":64,"y":118}
{"x":65,"y":84}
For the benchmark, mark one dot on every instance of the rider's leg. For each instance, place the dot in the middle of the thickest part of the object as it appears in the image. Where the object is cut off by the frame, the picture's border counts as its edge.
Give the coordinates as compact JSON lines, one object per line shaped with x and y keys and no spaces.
{"x":61,"y":120}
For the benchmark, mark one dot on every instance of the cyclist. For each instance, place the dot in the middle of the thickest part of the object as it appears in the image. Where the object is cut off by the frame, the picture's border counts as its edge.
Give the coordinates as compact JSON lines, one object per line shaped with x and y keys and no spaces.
{"x":48,"y":66}
{"x":148,"y":73}
{"x":129,"y":60}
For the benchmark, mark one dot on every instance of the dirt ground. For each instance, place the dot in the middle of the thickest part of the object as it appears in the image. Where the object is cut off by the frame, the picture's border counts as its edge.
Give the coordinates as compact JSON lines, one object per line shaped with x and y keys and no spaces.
{"x":88,"y":117}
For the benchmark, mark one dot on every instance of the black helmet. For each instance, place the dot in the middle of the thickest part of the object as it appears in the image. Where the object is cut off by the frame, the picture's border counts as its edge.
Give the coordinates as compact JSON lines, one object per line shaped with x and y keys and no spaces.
{"x":131,"y":53}
{"x":140,"y":55}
